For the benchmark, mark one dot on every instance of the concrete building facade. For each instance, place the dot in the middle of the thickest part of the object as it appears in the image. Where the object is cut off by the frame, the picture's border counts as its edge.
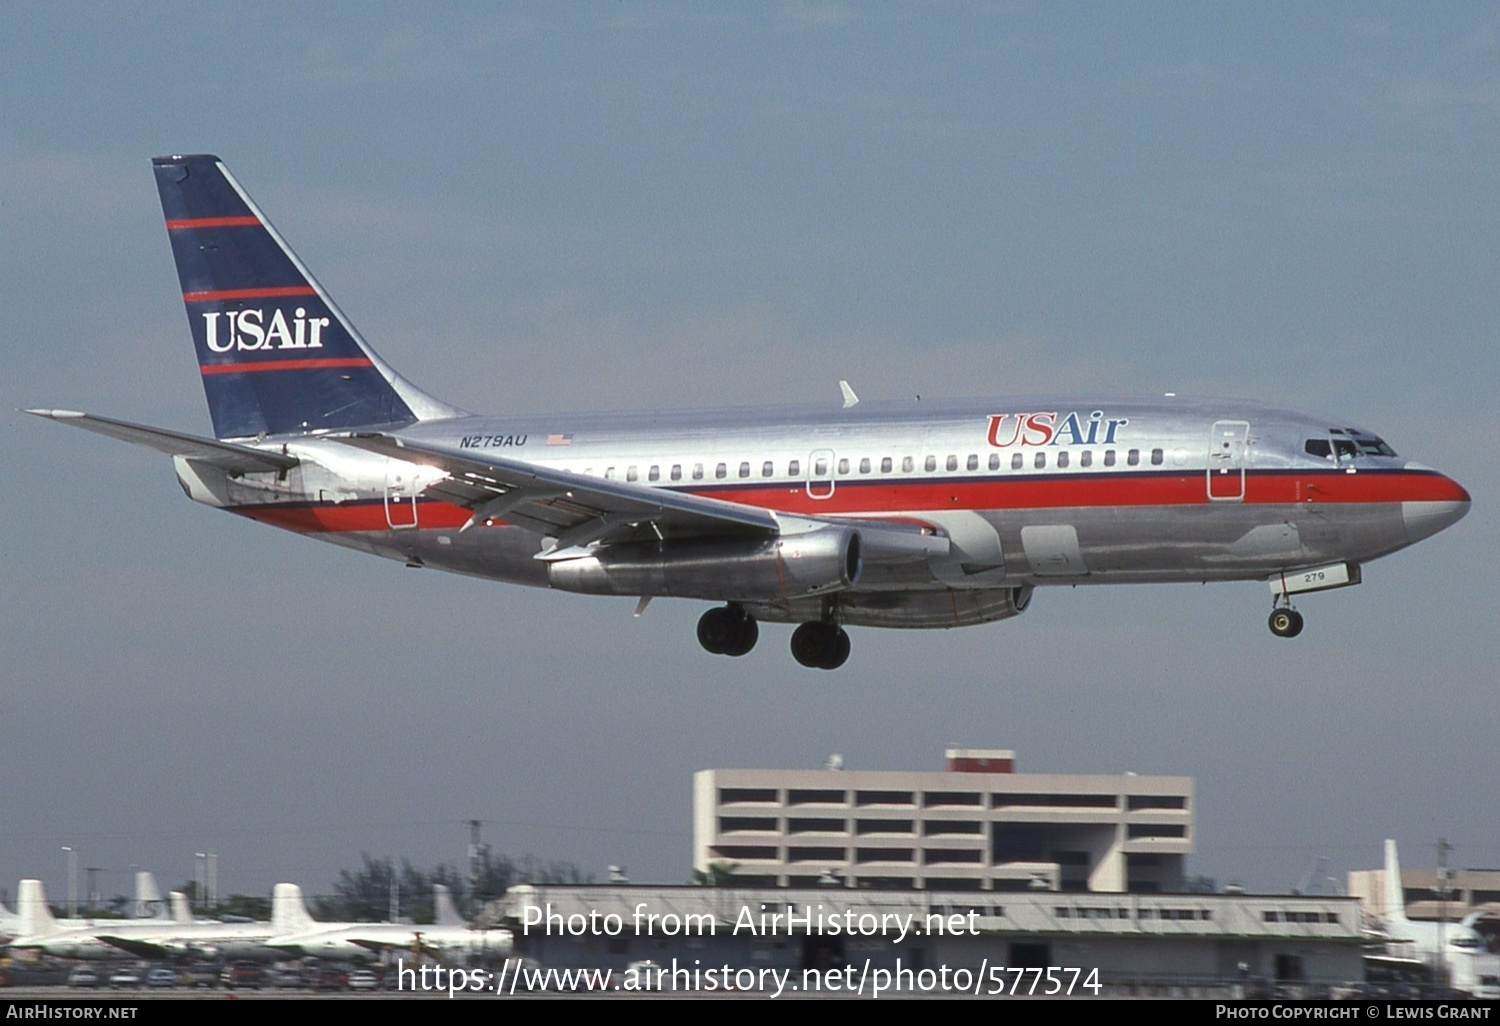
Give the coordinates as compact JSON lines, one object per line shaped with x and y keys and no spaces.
{"x":978,"y":825}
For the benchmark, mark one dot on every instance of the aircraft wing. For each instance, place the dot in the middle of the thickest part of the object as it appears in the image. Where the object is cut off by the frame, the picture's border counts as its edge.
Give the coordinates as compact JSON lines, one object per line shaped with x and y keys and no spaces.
{"x":136,"y":947}
{"x":579,"y":511}
{"x":224,"y":455}
{"x":574,"y":509}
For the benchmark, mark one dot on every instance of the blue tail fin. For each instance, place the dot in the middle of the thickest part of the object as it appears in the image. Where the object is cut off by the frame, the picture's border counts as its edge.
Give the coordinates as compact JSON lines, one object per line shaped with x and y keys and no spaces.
{"x":277,"y":356}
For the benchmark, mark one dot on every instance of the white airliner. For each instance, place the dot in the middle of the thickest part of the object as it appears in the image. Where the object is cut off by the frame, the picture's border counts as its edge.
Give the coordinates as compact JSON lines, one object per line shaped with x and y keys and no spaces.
{"x":1459,"y":947}
{"x":34,"y":917}
{"x":912,"y":515}
{"x":106,"y":939}
{"x":449,"y":938}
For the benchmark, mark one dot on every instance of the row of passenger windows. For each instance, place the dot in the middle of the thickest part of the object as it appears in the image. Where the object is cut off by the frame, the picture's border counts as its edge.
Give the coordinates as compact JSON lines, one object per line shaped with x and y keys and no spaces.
{"x":820,"y":467}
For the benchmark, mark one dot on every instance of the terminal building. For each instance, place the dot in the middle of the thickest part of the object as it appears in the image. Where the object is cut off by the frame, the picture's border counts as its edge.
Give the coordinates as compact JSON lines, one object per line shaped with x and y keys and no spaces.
{"x":978,"y":825}
{"x":963,"y":870}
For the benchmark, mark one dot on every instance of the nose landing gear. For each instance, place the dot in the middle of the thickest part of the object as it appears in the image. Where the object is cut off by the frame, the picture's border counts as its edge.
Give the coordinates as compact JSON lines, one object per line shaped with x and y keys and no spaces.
{"x":1285,"y":622}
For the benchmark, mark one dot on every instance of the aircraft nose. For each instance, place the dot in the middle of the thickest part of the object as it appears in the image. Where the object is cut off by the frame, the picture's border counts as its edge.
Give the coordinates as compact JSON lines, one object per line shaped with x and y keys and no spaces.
{"x":1430,"y":515}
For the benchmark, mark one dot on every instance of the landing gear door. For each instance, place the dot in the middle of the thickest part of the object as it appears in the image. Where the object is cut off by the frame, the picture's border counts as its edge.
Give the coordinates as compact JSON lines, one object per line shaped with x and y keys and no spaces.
{"x":1228,"y":451}
{"x":820,"y":479}
{"x":401,"y":490}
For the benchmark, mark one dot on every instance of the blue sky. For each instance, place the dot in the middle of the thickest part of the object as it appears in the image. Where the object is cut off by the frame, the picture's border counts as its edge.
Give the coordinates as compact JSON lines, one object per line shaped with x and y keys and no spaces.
{"x":628,"y":205}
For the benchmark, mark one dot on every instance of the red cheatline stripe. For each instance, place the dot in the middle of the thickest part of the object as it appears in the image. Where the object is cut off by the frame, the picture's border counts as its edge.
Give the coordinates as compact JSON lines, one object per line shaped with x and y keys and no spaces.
{"x":1146,"y":489}
{"x":212,"y":222}
{"x":1374,"y":488}
{"x":281,"y":365}
{"x":267,"y":293}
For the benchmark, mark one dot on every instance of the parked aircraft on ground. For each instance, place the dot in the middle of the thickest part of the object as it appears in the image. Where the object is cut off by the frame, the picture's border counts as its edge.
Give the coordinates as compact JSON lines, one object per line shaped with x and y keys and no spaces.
{"x":34,"y":917}
{"x":108,"y":938}
{"x":1457,"y":946}
{"x":914,"y":515}
{"x":450,"y":937}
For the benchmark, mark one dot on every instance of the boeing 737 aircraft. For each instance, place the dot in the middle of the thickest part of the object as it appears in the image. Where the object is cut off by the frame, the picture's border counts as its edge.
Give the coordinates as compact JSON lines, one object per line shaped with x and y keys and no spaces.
{"x":914,"y":514}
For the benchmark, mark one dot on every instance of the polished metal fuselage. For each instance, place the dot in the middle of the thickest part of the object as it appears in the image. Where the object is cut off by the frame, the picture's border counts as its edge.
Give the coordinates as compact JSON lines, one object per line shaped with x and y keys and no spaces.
{"x":1027,"y":491}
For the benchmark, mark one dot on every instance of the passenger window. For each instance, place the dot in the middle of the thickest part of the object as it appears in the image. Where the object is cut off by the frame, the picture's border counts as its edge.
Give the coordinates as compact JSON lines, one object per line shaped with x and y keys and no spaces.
{"x":767,"y":469}
{"x":906,"y":464}
{"x":654,"y":474}
{"x":820,"y":468}
{"x":609,"y":473}
{"x":885,"y":465}
{"x":1086,"y":458}
{"x":1041,"y":461}
{"x":930,"y":464}
{"x":677,"y":472}
{"x":1017,"y":461}
{"x":794,"y":468}
{"x":1109,"y":457}
{"x":994,"y":461}
{"x":973,"y":462}
{"x":744,"y":469}
{"x":630,"y":474}
{"x":1133,"y":457}
{"x":952,"y":462}
{"x":697,"y":472}
{"x":1156,"y":457}
{"x":1062,"y":458}
{"x":864,"y":465}
{"x":721,"y":471}
{"x":844,"y":466}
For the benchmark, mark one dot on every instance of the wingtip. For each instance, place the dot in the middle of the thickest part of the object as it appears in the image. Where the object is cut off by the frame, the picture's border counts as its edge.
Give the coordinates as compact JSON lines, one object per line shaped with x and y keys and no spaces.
{"x":56,"y":414}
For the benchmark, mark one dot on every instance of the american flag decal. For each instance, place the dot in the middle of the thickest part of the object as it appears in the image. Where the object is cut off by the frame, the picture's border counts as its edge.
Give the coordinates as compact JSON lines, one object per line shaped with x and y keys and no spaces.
{"x":559,"y":439}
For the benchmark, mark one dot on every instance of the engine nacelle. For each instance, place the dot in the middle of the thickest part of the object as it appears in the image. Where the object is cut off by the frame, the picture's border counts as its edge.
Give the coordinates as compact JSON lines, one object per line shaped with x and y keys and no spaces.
{"x":790,"y":566}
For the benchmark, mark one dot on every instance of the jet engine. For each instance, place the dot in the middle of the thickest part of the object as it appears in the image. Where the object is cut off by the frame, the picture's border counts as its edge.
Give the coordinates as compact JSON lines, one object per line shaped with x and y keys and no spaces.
{"x":789,"y":566}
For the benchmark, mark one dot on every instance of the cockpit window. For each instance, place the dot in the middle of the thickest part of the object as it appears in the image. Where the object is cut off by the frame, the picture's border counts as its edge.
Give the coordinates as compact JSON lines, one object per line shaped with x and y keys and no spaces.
{"x":1347,"y":448}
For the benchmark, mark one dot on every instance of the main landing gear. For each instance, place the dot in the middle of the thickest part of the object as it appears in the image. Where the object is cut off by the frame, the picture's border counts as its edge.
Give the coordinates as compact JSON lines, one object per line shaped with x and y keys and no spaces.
{"x":822,"y":646}
{"x":1285,"y":622}
{"x":728,"y":630}
{"x":731,"y":630}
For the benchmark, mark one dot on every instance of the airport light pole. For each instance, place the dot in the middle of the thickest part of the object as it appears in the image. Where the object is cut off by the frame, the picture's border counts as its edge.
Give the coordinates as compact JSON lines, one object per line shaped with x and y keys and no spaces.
{"x":93,"y":887}
{"x":72,"y":881}
{"x":202,"y":864}
{"x":1443,"y":848}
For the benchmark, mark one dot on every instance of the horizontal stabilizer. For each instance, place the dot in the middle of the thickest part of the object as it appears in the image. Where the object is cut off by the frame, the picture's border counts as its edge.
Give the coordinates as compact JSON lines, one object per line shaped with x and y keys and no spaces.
{"x":225,"y":455}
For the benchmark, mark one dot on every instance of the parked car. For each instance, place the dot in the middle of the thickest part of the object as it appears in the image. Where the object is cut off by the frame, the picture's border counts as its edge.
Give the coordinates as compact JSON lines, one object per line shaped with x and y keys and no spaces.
{"x":364,"y":979}
{"x":331,"y":977}
{"x":291,"y":979}
{"x":161,"y":977}
{"x":199,"y":974}
{"x":125,"y":976}
{"x":83,"y":976}
{"x":243,"y":974}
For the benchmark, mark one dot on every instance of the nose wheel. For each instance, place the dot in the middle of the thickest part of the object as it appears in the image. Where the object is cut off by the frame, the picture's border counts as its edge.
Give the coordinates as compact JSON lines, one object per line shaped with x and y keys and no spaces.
{"x":821,"y":646}
{"x":1286,"y":623}
{"x":728,"y":630}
